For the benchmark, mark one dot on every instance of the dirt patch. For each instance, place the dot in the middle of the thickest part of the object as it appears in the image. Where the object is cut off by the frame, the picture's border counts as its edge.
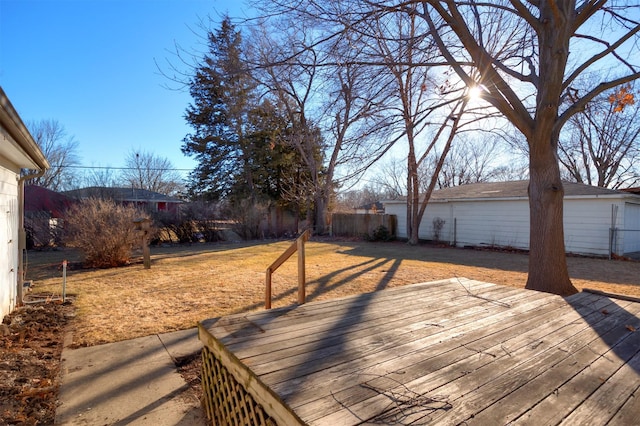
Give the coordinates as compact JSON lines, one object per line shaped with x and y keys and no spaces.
{"x":31,"y":341}
{"x":190,"y":368}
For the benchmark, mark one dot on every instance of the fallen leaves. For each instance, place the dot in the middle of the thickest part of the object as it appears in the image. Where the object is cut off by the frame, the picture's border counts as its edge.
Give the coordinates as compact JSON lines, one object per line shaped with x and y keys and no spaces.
{"x":30,"y":363}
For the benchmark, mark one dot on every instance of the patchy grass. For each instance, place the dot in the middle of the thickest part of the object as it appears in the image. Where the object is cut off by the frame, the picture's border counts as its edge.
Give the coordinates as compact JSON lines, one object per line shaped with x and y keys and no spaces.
{"x":187,"y":284}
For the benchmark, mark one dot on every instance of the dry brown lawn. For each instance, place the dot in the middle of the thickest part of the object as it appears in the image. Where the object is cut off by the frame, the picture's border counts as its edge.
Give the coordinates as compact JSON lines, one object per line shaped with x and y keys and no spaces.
{"x":187,"y":284}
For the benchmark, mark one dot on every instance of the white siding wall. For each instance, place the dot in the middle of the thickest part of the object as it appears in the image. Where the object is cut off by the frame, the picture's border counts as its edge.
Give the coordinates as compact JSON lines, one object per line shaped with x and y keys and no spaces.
{"x":631,"y":236}
{"x":477,"y":223}
{"x":497,"y":223}
{"x":8,"y":240}
{"x":400,"y":210}
{"x":506,"y":223}
{"x":587,"y":223}
{"x":435,"y":210}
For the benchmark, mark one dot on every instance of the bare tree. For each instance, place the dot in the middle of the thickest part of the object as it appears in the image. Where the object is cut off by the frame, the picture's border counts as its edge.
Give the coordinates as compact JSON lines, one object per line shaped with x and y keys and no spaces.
{"x":601,"y":145}
{"x":347,"y":201}
{"x":472,"y":161}
{"x":429,"y":107}
{"x":333,"y":121}
{"x":391,"y":175}
{"x":519,"y":54}
{"x":103,"y":177}
{"x":392,"y":47}
{"x":60,"y":149}
{"x":145,"y":170}
{"x":420,"y":197}
{"x":515,"y":170}
{"x":420,"y":108}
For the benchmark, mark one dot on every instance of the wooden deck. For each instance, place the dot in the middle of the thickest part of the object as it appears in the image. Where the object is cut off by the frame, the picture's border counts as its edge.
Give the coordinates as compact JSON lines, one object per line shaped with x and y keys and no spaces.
{"x":447,"y":352}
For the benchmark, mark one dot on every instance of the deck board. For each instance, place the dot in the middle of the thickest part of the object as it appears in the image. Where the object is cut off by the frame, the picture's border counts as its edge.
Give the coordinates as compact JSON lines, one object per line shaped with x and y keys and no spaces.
{"x":449,"y":352}
{"x":430,"y":354}
{"x":449,"y":360}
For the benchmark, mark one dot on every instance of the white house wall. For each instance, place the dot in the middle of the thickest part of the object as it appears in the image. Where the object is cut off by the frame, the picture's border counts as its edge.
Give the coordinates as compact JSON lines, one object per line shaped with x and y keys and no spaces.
{"x":505,"y":223}
{"x":8,"y":239}
{"x":587,"y":223}
{"x":477,"y":223}
{"x":629,"y":237}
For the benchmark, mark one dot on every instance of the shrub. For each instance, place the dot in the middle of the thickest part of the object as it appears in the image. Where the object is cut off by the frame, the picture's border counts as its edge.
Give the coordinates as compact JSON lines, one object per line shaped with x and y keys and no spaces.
{"x":203,"y":218}
{"x":196,"y":222}
{"x":42,"y":231}
{"x":172,"y":228}
{"x":247,"y":218}
{"x":438,"y":224}
{"x":381,"y":233}
{"x":103,"y":231}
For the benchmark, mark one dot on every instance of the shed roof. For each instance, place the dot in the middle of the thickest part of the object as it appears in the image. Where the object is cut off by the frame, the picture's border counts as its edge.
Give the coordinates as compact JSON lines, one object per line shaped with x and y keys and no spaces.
{"x":515,"y":189}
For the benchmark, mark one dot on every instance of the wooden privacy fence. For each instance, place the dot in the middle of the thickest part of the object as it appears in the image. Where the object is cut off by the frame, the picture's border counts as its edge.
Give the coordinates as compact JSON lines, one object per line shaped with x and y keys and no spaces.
{"x":358,"y":225}
{"x":298,"y":245}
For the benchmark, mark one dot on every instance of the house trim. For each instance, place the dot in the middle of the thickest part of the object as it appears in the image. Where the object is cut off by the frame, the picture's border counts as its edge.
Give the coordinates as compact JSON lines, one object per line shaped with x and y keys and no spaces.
{"x":20,"y":149}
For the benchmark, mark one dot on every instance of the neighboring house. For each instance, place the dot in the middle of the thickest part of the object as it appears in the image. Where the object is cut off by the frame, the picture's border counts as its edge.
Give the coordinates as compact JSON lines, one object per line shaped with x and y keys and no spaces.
{"x":370,"y":208}
{"x":18,"y":150}
{"x":633,"y":190}
{"x":39,"y":199}
{"x":148,"y":200}
{"x":497,"y":214}
{"x":44,"y":212}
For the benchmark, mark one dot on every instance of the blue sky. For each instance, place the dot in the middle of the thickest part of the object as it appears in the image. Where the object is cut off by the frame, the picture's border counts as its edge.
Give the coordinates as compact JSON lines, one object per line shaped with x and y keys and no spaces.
{"x":91,"y":65}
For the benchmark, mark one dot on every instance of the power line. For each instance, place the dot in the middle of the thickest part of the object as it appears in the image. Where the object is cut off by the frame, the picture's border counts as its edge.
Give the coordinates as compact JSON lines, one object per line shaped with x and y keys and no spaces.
{"x":121,"y":168}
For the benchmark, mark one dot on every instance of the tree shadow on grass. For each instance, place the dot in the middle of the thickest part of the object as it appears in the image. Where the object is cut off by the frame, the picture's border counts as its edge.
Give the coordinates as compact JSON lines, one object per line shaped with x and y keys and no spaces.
{"x":580,"y":267}
{"x":324,"y":283}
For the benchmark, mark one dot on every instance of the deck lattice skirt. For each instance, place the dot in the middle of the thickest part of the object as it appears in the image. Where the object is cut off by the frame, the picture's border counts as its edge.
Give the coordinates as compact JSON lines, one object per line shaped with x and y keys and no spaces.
{"x":226,"y":400}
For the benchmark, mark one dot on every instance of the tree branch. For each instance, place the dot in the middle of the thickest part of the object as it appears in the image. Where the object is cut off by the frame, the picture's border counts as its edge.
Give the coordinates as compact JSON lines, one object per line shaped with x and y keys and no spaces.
{"x":501,"y":96}
{"x":610,"y":48}
{"x":580,"y":103}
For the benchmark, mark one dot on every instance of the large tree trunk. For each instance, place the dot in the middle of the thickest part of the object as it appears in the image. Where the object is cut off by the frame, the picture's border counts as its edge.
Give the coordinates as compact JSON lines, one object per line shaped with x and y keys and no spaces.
{"x":414,"y":238}
{"x":547,"y":259}
{"x":413,"y":221}
{"x":320,"y":213}
{"x":413,"y":191}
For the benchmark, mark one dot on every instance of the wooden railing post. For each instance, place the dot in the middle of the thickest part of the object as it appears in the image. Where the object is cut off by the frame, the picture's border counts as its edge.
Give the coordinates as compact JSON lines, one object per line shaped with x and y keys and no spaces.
{"x":267,"y":296}
{"x":301,"y":269}
{"x":298,"y":246}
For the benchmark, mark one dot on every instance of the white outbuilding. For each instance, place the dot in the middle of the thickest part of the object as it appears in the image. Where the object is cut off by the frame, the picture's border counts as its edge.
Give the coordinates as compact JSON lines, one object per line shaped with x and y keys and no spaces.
{"x":18,"y":151}
{"x":597,"y":221}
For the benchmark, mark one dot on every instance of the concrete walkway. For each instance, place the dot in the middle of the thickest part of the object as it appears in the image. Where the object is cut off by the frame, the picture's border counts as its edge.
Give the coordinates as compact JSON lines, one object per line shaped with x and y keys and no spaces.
{"x":134,"y":382}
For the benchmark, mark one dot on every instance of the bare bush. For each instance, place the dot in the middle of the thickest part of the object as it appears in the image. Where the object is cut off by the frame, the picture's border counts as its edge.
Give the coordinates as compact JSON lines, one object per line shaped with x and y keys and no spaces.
{"x":104,"y":231}
{"x":438,"y":224}
{"x":247,"y":217}
{"x":43,"y":231}
{"x":197,"y":221}
{"x":174,"y":228}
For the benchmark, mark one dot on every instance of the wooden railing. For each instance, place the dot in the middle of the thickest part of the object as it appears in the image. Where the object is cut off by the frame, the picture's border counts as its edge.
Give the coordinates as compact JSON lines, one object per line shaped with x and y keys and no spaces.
{"x":298,"y":245}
